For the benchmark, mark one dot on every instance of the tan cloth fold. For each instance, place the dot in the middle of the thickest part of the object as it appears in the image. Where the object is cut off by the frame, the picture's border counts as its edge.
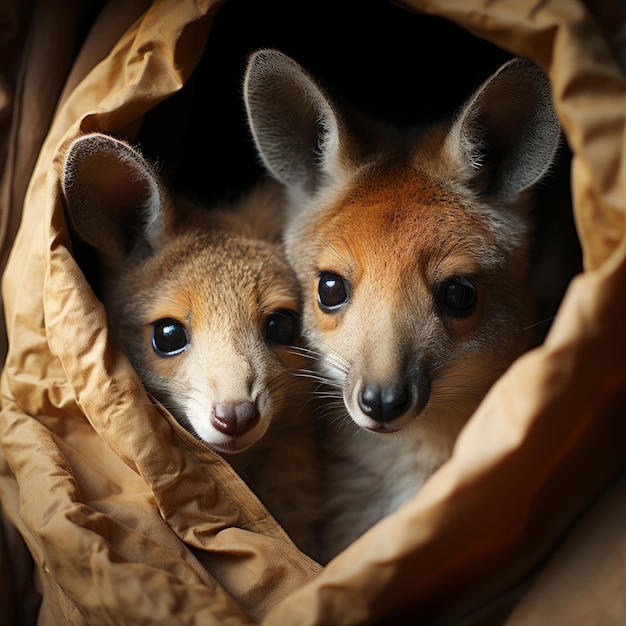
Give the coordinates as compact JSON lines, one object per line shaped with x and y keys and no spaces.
{"x":129,"y":520}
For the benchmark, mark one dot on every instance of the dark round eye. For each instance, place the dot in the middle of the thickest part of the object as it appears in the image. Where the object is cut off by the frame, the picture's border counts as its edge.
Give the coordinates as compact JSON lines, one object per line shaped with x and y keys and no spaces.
{"x":332,"y":292}
{"x":456,"y":296}
{"x":169,"y":337}
{"x":282,"y":327}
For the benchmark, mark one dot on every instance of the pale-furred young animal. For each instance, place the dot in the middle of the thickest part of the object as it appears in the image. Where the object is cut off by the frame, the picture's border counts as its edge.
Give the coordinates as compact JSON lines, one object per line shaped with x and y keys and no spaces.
{"x":206,"y":308}
{"x":411,"y":249}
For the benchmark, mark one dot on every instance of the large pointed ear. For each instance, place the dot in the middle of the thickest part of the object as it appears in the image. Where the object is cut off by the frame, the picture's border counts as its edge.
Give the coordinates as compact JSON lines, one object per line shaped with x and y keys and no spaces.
{"x":506,"y":136}
{"x":112,"y":194}
{"x":296,"y":129}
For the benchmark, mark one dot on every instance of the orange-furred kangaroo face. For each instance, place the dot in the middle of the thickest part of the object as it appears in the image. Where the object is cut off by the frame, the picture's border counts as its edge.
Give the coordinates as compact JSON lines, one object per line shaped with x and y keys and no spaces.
{"x":204,"y":313}
{"x":410,"y":248}
{"x":409,"y":313}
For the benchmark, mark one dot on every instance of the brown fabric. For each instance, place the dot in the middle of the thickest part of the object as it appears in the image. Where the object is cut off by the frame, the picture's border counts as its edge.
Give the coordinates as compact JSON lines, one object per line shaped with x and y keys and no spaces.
{"x":129,"y":520}
{"x":33,"y":66}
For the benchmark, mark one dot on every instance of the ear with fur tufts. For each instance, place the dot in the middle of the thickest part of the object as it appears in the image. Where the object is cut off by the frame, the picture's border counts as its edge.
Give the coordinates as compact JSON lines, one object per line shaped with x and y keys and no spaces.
{"x":112,"y":194}
{"x":506,"y":136}
{"x":295,"y":127}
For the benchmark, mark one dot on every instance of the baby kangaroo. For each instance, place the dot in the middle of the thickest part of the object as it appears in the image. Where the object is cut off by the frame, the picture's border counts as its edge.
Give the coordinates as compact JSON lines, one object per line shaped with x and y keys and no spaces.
{"x":411,"y":249}
{"x":206,"y":308}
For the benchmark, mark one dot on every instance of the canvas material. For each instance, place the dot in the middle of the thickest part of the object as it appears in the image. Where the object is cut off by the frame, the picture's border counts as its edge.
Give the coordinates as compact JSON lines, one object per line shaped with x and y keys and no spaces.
{"x":109,"y":493}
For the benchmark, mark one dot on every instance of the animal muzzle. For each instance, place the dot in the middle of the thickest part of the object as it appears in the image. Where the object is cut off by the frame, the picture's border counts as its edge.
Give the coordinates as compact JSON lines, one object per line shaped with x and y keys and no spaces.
{"x":235,"y":418}
{"x":385,"y":405}
{"x":389,"y":408}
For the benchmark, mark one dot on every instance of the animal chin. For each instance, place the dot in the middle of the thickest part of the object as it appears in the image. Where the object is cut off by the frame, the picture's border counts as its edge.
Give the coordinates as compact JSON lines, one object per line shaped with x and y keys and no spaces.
{"x":233,"y":443}
{"x":232,"y":447}
{"x":385,"y":429}
{"x":371,"y":425}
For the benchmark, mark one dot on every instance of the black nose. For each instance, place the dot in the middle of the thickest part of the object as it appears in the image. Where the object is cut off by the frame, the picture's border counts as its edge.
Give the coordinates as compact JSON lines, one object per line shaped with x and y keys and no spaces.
{"x":385,"y":404}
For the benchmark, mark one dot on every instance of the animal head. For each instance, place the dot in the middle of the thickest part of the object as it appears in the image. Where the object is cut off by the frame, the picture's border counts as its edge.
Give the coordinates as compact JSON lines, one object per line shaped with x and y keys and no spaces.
{"x":411,"y":247}
{"x":204,"y":312}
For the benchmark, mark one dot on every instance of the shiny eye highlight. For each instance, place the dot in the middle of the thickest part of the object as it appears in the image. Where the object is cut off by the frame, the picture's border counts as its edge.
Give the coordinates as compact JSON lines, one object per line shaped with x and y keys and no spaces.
{"x":332,"y":292}
{"x":169,"y":337}
{"x":456,"y":297}
{"x":282,"y":327}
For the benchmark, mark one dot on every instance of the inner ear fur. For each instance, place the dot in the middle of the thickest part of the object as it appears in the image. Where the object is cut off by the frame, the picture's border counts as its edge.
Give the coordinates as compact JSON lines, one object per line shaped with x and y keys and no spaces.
{"x":294,"y":124}
{"x":506,"y":136}
{"x":112,"y":194}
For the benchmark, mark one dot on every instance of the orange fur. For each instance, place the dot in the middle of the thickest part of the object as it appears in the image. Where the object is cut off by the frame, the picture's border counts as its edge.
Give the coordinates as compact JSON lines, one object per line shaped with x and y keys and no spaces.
{"x":411,"y":249}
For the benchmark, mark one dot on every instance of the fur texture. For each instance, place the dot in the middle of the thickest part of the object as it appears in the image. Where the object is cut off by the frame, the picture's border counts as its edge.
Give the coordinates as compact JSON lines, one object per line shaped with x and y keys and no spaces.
{"x":206,"y":308}
{"x":411,"y":251}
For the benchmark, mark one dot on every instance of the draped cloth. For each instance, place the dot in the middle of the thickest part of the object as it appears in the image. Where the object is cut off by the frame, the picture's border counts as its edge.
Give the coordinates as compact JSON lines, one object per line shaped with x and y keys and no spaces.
{"x":107,"y":503}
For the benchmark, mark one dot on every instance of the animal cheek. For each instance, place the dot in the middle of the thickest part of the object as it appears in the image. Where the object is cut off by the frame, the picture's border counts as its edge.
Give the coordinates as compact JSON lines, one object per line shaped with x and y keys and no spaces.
{"x":313,"y":318}
{"x":327,"y":323}
{"x":141,"y":353}
{"x":286,"y":359}
{"x":465,"y":329}
{"x":169,"y":368}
